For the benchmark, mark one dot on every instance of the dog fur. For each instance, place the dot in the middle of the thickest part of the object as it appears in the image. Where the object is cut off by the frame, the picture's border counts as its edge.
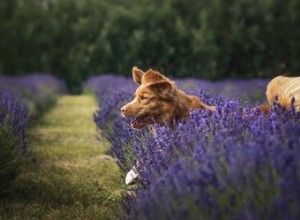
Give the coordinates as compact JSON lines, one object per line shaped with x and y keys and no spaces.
{"x":284,"y":88}
{"x":158,"y":100}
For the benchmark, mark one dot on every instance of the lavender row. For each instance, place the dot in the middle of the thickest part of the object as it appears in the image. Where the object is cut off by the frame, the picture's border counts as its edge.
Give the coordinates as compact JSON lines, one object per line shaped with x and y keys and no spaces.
{"x":234,"y":164}
{"x":251,"y":90}
{"x":37,"y":91}
{"x":21,"y":99}
{"x":13,"y":122}
{"x":225,"y":166}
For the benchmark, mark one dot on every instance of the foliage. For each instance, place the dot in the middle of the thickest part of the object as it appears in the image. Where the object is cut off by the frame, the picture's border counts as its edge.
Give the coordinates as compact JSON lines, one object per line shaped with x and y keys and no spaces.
{"x":68,"y":174}
{"x":234,"y":164}
{"x":37,"y":91}
{"x":21,"y":98}
{"x":13,"y":120}
{"x":208,"y":39}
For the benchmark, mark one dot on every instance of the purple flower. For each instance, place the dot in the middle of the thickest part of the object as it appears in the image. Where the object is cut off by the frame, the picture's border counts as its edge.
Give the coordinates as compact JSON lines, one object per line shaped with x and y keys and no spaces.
{"x":21,"y":98}
{"x":233,"y":164}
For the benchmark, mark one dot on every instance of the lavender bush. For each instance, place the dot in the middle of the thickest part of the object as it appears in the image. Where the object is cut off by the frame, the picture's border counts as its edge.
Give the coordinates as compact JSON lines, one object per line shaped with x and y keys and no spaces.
{"x":38,"y":91}
{"x":234,"y":164}
{"x":13,"y":121}
{"x":107,"y":118}
{"x":21,"y":99}
{"x":225,"y":166}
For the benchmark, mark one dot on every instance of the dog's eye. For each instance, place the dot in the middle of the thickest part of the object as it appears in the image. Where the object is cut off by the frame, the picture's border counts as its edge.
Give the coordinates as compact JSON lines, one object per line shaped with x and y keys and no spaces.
{"x":144,"y":97}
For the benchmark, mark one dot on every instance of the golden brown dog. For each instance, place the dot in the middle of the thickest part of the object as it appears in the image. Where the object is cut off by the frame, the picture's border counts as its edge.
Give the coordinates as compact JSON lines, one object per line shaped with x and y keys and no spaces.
{"x":157,"y":99}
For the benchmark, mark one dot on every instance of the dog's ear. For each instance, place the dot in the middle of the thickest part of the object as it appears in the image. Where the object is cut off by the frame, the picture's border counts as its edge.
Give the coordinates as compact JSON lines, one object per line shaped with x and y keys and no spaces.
{"x":152,"y":76}
{"x":137,"y":75}
{"x":162,"y":87}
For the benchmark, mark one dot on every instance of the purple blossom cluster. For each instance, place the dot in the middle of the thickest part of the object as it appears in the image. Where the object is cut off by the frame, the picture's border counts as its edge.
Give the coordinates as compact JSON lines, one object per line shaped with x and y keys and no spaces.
{"x":21,"y":99}
{"x":38,"y":91}
{"x":114,"y":128}
{"x":234,"y":164}
{"x":13,"y":122}
{"x":14,"y":117}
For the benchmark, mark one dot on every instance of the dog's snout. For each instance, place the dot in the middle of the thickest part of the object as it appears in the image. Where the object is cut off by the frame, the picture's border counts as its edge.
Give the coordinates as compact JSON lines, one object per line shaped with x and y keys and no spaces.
{"x":123,"y":110}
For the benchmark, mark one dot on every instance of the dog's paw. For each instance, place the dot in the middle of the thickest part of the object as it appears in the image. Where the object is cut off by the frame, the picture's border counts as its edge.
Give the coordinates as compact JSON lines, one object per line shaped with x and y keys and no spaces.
{"x":131,"y":177}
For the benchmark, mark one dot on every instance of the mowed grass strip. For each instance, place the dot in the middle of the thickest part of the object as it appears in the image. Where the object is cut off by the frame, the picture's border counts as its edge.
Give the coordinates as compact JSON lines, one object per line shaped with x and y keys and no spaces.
{"x":68,"y":174}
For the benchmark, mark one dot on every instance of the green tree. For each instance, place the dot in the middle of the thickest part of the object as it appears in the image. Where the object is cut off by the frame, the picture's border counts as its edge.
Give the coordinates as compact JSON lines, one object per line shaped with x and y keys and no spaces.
{"x":212,"y":39}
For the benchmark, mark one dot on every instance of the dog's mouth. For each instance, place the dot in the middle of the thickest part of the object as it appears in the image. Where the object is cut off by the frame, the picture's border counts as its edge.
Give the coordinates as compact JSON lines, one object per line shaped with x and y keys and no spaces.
{"x":141,"y":121}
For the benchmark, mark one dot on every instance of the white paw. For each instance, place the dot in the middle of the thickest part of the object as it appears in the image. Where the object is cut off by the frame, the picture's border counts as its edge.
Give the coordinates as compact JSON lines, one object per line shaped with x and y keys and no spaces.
{"x":131,"y":176}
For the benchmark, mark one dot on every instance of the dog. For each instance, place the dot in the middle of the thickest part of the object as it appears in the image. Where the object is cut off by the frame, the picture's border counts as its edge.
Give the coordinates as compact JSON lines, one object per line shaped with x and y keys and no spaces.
{"x":158,"y":100}
{"x":284,"y":89}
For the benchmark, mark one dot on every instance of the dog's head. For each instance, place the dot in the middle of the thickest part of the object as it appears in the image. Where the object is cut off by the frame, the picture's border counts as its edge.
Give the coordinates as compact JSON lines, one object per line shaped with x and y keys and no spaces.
{"x":152,"y":100}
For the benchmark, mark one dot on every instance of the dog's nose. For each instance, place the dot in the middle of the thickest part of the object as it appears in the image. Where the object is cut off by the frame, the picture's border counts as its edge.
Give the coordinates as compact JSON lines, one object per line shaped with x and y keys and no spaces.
{"x":123,"y":110}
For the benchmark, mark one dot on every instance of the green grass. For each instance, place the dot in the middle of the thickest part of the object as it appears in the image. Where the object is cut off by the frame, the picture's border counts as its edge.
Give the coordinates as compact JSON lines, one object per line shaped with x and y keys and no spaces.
{"x":68,"y":174}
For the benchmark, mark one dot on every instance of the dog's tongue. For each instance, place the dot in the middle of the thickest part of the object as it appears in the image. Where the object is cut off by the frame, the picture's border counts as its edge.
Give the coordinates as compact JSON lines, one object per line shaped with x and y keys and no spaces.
{"x":140,"y":122}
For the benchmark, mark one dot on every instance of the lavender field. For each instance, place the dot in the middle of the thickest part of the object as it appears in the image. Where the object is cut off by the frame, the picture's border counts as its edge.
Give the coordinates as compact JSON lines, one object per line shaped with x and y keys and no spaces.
{"x":51,"y":165}
{"x":234,"y":164}
{"x":78,"y":141}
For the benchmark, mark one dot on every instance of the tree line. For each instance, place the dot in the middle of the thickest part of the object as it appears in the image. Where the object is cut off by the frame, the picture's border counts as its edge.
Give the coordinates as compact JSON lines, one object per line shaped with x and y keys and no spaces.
{"x":210,"y":39}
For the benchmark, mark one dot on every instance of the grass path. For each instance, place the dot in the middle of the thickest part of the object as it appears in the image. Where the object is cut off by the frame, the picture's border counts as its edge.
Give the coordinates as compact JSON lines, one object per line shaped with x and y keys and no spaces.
{"x":68,"y":175}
